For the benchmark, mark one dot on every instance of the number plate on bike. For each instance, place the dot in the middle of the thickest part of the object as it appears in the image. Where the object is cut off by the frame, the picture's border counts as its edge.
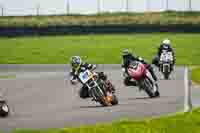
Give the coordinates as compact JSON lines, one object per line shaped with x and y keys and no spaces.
{"x":85,"y":76}
{"x":166,"y":56}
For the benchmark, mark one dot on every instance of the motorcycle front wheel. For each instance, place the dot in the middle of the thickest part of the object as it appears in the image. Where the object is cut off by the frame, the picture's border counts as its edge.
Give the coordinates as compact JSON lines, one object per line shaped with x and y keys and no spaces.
{"x":115,"y":100}
{"x":148,"y":88}
{"x":166,"y":76}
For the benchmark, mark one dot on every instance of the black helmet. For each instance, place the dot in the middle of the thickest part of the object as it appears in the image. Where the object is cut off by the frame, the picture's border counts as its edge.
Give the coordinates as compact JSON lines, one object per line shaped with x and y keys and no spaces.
{"x":126,"y":52}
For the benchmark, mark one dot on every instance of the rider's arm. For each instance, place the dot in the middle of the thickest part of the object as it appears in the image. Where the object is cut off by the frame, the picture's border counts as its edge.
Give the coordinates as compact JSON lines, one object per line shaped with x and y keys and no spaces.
{"x":174,"y":57}
{"x":90,"y":66}
{"x":160,"y":49}
{"x":124,"y":69}
{"x":73,"y":77}
{"x":140,"y":59}
{"x":123,"y":64}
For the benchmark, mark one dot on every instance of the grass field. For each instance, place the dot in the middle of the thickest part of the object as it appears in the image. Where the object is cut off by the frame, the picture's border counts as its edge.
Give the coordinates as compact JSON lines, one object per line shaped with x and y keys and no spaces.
{"x":102,"y":49}
{"x":163,"y":18}
{"x":180,"y":123}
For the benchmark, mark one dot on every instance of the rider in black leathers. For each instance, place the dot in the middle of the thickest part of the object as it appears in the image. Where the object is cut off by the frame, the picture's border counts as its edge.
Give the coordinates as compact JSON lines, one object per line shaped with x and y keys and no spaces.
{"x":165,"y":45}
{"x":127,"y":58}
{"x":77,"y":67}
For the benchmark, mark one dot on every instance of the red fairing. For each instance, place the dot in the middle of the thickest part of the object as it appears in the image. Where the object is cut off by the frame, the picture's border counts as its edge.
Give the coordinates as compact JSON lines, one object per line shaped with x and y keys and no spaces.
{"x":137,"y":73}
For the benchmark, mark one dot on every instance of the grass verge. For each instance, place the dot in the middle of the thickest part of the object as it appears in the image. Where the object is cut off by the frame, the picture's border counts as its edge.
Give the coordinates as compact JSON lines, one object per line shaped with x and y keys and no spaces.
{"x":180,"y":123}
{"x":196,"y":75}
{"x":100,"y":49}
{"x":161,"y":18}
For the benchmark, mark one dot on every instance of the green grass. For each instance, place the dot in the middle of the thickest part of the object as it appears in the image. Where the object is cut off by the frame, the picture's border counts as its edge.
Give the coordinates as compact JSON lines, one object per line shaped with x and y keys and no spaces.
{"x":10,"y":76}
{"x":196,"y":75}
{"x":100,"y":49}
{"x":179,"y":123}
{"x":163,"y":18}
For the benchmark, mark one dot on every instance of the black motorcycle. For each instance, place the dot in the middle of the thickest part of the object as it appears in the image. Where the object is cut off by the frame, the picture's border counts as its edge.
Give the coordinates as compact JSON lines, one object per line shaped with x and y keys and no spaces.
{"x":4,"y":108}
{"x":98,"y":89}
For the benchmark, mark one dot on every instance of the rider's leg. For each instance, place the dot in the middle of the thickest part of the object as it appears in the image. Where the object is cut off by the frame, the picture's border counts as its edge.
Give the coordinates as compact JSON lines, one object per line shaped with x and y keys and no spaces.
{"x":128,"y":82}
{"x":150,"y":68}
{"x":1,"y":97}
{"x":109,"y":85}
{"x":155,"y":61}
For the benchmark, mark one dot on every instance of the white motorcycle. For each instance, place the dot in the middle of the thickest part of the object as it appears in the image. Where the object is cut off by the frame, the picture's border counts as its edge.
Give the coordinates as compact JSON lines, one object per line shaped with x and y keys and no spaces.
{"x":166,"y":63}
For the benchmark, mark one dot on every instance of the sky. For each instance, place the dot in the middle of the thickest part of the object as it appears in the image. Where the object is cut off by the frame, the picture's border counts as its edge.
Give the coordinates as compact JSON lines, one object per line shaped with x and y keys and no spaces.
{"x":29,"y":7}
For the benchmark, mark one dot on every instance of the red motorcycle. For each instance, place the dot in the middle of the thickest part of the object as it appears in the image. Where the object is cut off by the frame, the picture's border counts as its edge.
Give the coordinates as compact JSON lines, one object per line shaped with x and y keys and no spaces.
{"x":140,"y":73}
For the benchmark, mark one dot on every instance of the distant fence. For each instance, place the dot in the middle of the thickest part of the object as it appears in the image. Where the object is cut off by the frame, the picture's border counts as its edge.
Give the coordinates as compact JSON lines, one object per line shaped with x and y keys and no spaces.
{"x":63,"y":30}
{"x":46,"y":7}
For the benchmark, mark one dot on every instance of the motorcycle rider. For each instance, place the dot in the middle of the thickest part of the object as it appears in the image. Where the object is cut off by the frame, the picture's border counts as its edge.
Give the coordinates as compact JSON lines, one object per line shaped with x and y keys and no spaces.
{"x":1,"y":97}
{"x":79,"y":66}
{"x":165,"y":45}
{"x":128,"y":57}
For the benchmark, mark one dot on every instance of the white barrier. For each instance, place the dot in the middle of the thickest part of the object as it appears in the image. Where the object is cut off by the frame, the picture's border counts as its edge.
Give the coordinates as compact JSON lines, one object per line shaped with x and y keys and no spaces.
{"x":187,"y":86}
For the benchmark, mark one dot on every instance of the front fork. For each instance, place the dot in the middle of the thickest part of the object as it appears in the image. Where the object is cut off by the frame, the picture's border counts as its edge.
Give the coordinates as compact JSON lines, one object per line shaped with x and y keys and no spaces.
{"x":161,"y":67}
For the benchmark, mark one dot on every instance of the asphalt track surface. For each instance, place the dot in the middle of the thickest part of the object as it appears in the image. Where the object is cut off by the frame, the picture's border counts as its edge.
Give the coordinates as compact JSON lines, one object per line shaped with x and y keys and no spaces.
{"x":42,"y":97}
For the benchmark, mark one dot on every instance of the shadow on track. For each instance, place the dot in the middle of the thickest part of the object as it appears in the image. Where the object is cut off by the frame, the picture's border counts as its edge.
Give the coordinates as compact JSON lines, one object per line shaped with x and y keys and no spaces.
{"x":138,"y":98}
{"x":97,"y":106}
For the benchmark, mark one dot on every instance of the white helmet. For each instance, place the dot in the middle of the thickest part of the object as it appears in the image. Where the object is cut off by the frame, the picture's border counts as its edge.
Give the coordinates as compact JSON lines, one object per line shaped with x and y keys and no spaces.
{"x":166,"y":41}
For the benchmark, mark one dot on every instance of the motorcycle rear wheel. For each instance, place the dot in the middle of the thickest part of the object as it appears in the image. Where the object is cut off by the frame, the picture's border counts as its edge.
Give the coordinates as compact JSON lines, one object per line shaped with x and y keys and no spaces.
{"x":4,"y":109}
{"x":115,"y":100}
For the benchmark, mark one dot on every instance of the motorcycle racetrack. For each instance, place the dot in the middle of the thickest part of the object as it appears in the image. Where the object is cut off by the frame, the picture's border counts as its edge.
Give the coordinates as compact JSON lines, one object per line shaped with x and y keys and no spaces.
{"x":41,"y":96}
